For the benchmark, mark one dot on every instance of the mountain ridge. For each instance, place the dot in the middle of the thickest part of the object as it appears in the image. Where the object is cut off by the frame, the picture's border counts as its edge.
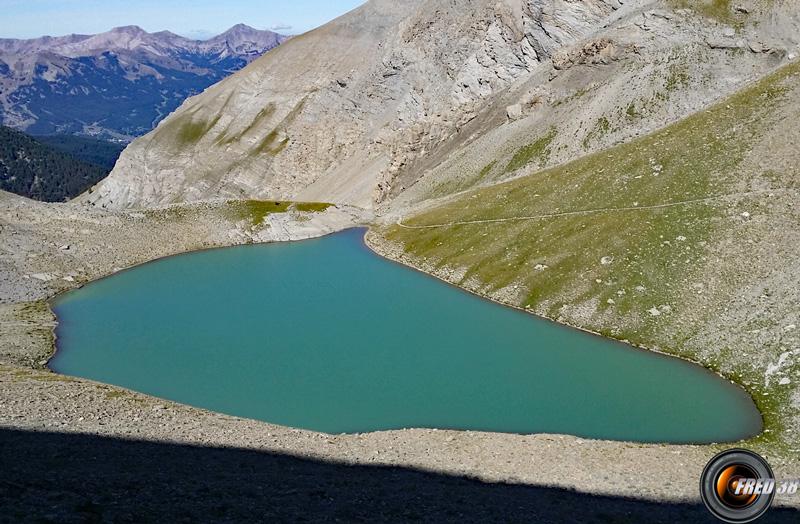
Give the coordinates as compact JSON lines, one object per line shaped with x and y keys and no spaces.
{"x":116,"y":84}
{"x":423,"y":83}
{"x":126,"y":37}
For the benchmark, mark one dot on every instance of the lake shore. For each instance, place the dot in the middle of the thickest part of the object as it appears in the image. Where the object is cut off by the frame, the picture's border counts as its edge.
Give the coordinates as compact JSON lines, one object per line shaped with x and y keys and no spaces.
{"x":52,"y":248}
{"x":394,"y":253}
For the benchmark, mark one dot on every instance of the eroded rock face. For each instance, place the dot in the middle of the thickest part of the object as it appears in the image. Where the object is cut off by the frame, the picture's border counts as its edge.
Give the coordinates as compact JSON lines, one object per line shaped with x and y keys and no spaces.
{"x":598,"y":51}
{"x":362,"y":109}
{"x":339,"y":112}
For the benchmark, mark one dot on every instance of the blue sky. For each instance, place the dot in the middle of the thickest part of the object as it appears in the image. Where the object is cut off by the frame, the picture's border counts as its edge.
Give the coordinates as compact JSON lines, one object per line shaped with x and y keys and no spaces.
{"x":33,"y":18}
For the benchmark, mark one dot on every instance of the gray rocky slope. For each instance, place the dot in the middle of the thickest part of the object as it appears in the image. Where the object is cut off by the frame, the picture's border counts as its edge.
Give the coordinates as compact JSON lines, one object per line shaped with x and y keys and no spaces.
{"x":398,"y":102}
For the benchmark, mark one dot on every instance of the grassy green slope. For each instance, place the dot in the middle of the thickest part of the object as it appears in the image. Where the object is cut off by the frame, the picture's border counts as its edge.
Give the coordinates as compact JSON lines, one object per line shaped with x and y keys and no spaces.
{"x":257,"y":210}
{"x":618,"y":241}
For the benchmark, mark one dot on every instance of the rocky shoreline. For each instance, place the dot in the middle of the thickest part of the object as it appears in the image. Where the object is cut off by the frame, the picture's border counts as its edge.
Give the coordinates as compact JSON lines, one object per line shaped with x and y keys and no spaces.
{"x":35,"y":402}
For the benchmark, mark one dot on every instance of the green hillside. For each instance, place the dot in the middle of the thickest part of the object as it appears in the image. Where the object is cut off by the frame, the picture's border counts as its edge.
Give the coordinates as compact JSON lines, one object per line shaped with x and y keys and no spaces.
{"x":39,"y":171}
{"x":651,"y":241}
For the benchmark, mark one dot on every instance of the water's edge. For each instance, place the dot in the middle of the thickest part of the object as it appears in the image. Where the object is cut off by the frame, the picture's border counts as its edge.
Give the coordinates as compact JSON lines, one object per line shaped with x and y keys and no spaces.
{"x":377,"y":245}
{"x":50,"y":301}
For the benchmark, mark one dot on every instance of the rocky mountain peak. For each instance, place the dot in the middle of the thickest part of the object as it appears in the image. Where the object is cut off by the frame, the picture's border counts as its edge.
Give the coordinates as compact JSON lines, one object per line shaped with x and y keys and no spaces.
{"x":240,"y":28}
{"x":422,"y":82}
{"x":119,"y":98}
{"x":128,"y":30}
{"x":243,"y":39}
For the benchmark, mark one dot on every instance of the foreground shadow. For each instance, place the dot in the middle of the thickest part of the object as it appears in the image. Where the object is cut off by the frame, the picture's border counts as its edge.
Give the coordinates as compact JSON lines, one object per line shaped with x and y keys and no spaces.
{"x":60,"y":477}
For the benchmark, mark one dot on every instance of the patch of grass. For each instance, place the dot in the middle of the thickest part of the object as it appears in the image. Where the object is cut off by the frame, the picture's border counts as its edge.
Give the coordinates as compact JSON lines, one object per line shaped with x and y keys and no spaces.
{"x":678,"y":77}
{"x":187,"y":129}
{"x":451,"y":186}
{"x":271,"y":144}
{"x":580,"y":93}
{"x":538,"y":151}
{"x":257,"y":122}
{"x":264,"y":114}
{"x":486,"y":170}
{"x":600,"y":129}
{"x":192,"y":131}
{"x":720,"y":10}
{"x":112,"y":395}
{"x":256,"y":211}
{"x":34,"y":310}
{"x":41,"y":376}
{"x":312,"y":207}
{"x":651,"y":255}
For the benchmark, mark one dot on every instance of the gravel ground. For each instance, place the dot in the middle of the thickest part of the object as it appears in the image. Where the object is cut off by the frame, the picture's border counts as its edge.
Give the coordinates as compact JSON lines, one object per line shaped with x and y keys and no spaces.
{"x":74,"y":450}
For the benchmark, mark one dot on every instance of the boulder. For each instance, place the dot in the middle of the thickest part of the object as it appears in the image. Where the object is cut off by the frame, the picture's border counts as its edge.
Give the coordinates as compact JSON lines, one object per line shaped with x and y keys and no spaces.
{"x":514,"y":112}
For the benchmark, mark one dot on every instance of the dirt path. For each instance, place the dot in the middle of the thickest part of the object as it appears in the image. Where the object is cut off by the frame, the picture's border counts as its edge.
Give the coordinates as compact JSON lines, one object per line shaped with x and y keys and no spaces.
{"x":593,"y":211}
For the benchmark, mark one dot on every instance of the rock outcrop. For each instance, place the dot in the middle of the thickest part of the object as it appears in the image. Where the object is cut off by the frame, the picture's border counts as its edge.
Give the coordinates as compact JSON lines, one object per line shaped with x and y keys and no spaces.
{"x":395,"y":103}
{"x":340,"y":111}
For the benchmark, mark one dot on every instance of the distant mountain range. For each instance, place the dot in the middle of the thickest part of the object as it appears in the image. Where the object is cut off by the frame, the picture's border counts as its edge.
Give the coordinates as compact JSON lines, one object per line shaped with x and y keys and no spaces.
{"x":52,"y":169}
{"x":115,"y":85}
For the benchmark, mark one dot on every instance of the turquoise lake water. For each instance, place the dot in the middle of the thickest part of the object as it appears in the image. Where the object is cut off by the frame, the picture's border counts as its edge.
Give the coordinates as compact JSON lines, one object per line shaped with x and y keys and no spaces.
{"x":325,"y":335}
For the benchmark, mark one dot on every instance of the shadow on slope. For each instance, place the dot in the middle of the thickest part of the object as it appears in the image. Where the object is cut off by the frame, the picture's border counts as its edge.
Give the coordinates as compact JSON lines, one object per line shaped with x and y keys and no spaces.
{"x":81,"y":478}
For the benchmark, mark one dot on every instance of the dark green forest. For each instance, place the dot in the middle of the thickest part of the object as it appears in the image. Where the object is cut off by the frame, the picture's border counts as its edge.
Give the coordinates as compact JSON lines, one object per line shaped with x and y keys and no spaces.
{"x":90,"y":150}
{"x":36,"y":170}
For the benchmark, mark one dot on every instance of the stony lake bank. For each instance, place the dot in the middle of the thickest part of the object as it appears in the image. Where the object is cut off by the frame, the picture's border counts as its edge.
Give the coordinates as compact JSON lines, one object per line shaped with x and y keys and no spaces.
{"x":56,"y":428}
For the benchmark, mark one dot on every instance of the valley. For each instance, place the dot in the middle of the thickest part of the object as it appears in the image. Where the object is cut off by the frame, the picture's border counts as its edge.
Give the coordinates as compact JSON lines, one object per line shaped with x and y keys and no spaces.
{"x":102,"y":243}
{"x":166,"y":329}
{"x":52,"y":173}
{"x":628,"y":169}
{"x":116,"y":85}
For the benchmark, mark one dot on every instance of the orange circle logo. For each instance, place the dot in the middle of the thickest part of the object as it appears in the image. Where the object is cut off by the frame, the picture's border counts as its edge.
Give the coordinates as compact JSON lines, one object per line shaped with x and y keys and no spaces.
{"x":737,"y":486}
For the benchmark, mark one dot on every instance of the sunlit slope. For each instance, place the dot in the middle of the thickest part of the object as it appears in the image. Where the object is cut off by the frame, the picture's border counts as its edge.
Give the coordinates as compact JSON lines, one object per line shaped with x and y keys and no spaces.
{"x":686,"y":239}
{"x":395,"y":103}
